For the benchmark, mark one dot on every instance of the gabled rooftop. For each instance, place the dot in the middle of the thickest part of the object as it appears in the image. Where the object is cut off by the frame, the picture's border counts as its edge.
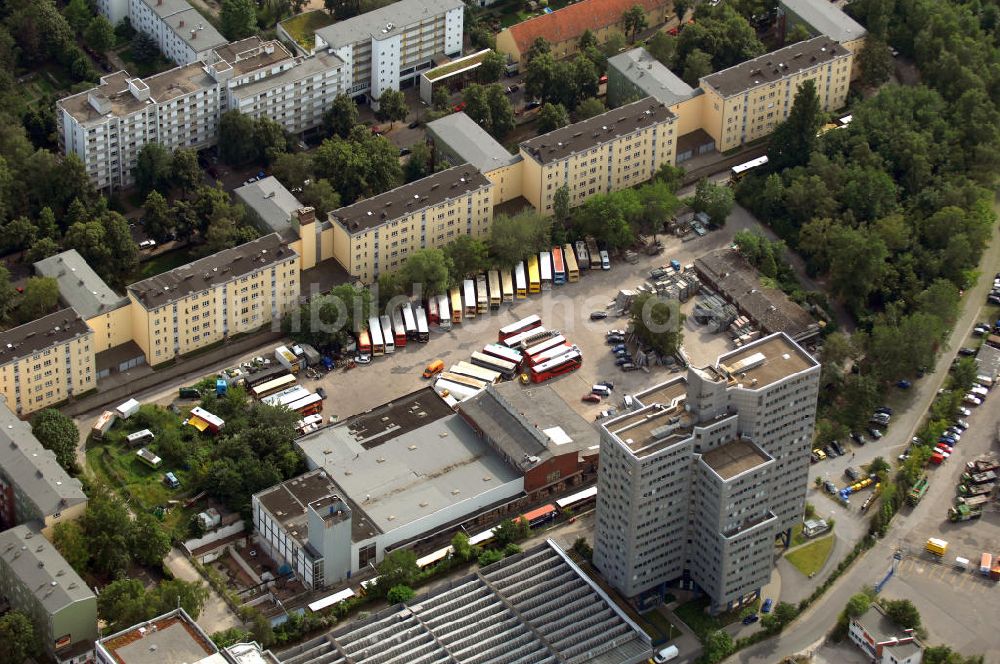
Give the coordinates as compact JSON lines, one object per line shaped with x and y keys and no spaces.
{"x":570,"y":22}
{"x":42,"y":571}
{"x":79,"y":286}
{"x":211,"y":271}
{"x":651,"y":76}
{"x":42,"y":333}
{"x":34,"y":469}
{"x":582,"y":136}
{"x":471,"y":142}
{"x":775,"y":66}
{"x":826,"y":18}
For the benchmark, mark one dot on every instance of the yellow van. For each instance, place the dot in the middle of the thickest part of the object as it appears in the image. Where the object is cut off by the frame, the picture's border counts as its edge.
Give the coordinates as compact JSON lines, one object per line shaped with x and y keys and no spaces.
{"x":434,"y":368}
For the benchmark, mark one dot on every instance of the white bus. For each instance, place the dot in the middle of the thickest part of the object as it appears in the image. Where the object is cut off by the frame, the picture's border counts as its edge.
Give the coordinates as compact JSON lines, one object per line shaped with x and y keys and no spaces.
{"x":409,"y":322}
{"x":504,"y":353}
{"x":741,"y":170}
{"x":496,"y":297}
{"x":375,"y":331}
{"x":545,"y":269}
{"x":462,"y":379}
{"x":469,"y":298}
{"x":544,"y":345}
{"x":525,"y":339}
{"x":520,"y":282}
{"x":479,"y":373}
{"x":423,"y":333}
{"x":272,"y":386}
{"x":288,"y":396}
{"x":444,"y":312}
{"x":506,"y":369}
{"x":387,"y":338}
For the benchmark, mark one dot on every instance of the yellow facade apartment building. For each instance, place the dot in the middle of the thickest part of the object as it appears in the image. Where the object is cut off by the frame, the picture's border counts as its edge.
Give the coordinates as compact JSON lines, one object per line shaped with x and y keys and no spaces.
{"x":746,"y":102}
{"x":209,"y":300}
{"x":377,"y":234}
{"x":615,"y":150}
{"x":46,"y":361}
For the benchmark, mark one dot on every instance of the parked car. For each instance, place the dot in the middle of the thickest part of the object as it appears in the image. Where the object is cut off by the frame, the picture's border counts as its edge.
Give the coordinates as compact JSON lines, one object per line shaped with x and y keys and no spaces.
{"x":904,"y":384}
{"x":962,"y":424}
{"x":768,"y":603}
{"x":972,"y":399}
{"x":830,"y":487}
{"x":884,"y":409}
{"x":840,"y":450}
{"x":147,"y":244}
{"x":598,"y":315}
{"x":532,"y":104}
{"x":875,"y":433}
{"x":404,"y":151}
{"x":813,"y":457}
{"x":622,"y":361}
{"x":620,"y":333}
{"x":363,"y":359}
{"x":414,"y":124}
{"x":751,"y":619}
{"x":820,"y":453}
{"x":858,"y":438}
{"x":615,"y":339}
{"x":591,"y":398}
{"x":965,"y":351}
{"x":608,"y":384}
{"x":628,"y":366}
{"x":830,"y":452}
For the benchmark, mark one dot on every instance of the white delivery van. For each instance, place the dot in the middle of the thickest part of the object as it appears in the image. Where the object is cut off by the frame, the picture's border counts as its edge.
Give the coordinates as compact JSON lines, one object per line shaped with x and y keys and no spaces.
{"x":665,"y":654}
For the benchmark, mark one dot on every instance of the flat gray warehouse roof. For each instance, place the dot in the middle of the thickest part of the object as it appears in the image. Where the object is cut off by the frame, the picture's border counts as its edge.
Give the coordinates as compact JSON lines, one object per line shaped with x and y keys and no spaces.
{"x":537,"y":606}
{"x":79,"y":286}
{"x":649,"y":75}
{"x":423,"y":459}
{"x":471,"y":142}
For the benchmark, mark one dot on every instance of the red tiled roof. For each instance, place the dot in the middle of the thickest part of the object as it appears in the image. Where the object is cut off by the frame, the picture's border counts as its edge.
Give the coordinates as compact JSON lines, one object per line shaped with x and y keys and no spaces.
{"x":572,"y":21}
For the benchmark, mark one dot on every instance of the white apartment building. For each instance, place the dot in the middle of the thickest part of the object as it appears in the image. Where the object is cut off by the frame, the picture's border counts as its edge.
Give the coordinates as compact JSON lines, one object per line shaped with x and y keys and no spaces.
{"x":182,"y":34}
{"x":388,"y":48}
{"x":696,"y":484}
{"x":108,"y":125}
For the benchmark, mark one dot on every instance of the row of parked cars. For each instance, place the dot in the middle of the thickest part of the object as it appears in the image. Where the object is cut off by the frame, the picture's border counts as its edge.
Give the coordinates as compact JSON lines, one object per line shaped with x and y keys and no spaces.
{"x":880,"y":418}
{"x":994,"y":296}
{"x":623,"y":359}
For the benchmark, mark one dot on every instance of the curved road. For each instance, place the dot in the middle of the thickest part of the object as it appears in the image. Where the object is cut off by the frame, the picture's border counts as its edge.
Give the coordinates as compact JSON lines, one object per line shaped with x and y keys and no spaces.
{"x":812,"y":626}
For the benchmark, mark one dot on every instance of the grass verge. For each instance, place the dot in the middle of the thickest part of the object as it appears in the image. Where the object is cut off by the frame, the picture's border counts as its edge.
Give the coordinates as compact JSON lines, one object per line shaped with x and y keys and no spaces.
{"x":811,"y":557}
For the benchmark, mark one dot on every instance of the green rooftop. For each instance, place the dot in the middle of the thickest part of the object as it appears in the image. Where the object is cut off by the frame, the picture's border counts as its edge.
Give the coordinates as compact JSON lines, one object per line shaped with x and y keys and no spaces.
{"x":455,"y":65}
{"x":302,"y":28}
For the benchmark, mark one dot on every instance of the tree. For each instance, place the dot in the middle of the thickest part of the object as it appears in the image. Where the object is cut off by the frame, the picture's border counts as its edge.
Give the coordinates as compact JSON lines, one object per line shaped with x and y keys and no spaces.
{"x":237,"y":19}
{"x":106,"y":524}
{"x":476,"y":106}
{"x":796,"y":33}
{"x":663,"y":47}
{"x":672,"y":176}
{"x":189,"y":595}
{"x":552,"y":117}
{"x":419,"y":165}
{"x":513,"y":238}
{"x":467,"y":255}
{"x":399,"y":594}
{"x":320,"y":195}
{"x":144,"y":49}
{"x":588,"y":108}
{"x":714,"y":200}
{"x":697,"y":64}
{"x":398,"y":568}
{"x":78,"y":14}
{"x":7,"y":293}
{"x":540,"y":77}
{"x":634,"y":20}
{"x":502,"y":118}
{"x":292,"y":168}
{"x":69,"y":539}
{"x":875,"y":61}
{"x":945,"y":655}
{"x":681,"y":8}
{"x":237,"y":146}
{"x":902,"y":612}
{"x":361,"y":165}
{"x":392,"y":106}
{"x":148,"y":542}
{"x":185,"y":170}
{"x":460,"y":547}
{"x":425,"y":270}
{"x":614,"y":44}
{"x":19,"y":234}
{"x":657,"y":323}
{"x":858,"y":605}
{"x":41,"y":295}
{"x":152,"y":168}
{"x":658,"y":205}
{"x":157,"y":220}
{"x":58,"y":433}
{"x":718,"y":646}
{"x":124,"y":602}
{"x":341,"y":116}
{"x":721,"y":33}
{"x":794,"y":139}
{"x":609,"y":217}
{"x":510,"y":531}
{"x":440,"y":98}
{"x":538,"y":47}
{"x":491,"y":68}
{"x":17,"y":637}
{"x":100,"y":34}
{"x":41,"y":249}
{"x":561,"y":204}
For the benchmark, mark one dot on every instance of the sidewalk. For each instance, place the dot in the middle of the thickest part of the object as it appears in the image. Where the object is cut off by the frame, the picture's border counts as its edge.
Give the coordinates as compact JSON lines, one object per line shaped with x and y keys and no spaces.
{"x":216,"y":614}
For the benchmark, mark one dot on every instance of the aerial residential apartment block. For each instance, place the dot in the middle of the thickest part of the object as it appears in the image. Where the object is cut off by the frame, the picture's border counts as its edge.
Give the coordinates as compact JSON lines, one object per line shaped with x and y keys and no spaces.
{"x":108,"y":125}
{"x":747,"y":101}
{"x":46,"y":361}
{"x":696,"y":484}
{"x":182,"y":34}
{"x":377,"y":234}
{"x":820,"y":17}
{"x":36,"y":580}
{"x":618,"y":149}
{"x":388,"y":48}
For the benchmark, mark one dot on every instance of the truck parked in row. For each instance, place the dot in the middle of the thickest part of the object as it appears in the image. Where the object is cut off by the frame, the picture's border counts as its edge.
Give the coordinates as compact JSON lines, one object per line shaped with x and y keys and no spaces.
{"x":964,"y":513}
{"x":917,"y":491}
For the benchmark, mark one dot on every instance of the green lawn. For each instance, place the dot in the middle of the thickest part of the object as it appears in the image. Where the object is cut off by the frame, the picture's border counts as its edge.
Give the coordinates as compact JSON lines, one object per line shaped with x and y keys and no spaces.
{"x":302,"y":28}
{"x":809,"y":558}
{"x":444,"y":70}
{"x":163,"y":263}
